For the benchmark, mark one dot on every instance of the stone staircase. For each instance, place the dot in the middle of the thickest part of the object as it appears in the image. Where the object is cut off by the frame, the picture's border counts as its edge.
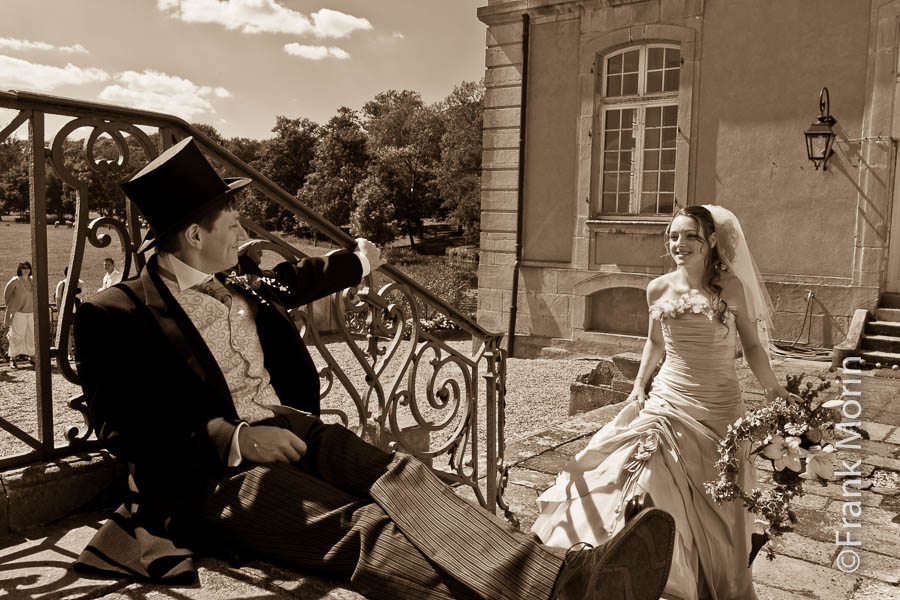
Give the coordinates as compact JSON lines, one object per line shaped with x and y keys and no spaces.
{"x":609,"y":382}
{"x":880,"y":342}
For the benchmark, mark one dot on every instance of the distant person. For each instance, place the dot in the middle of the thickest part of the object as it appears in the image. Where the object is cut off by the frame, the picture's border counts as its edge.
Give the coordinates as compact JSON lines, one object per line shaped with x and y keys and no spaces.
{"x":58,"y":298}
{"x":19,"y":318}
{"x":112,"y":276}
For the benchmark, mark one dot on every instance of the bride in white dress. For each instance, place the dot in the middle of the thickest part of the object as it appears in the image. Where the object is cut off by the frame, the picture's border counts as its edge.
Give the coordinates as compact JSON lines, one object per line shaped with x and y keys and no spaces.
{"x":662,"y":447}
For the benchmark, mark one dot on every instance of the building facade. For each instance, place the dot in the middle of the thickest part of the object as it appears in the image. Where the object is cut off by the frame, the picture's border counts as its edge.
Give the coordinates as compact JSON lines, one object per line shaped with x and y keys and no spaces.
{"x":637,"y":107}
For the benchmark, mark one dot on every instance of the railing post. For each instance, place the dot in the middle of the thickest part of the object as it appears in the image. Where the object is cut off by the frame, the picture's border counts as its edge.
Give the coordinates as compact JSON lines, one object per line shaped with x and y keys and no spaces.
{"x":490,"y":424}
{"x":38,"y":207}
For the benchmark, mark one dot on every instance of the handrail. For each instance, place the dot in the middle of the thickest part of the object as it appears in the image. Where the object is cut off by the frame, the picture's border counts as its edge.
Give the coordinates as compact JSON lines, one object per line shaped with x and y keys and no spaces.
{"x":336,"y":234}
{"x":451,"y":405}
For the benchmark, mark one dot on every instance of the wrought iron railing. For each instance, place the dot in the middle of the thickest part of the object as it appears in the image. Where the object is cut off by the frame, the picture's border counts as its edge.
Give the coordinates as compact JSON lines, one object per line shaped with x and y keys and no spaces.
{"x":384,"y":375}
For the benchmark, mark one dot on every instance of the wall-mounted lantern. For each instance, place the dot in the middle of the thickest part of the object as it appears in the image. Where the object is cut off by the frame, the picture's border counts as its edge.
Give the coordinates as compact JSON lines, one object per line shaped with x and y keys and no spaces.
{"x":819,"y":135}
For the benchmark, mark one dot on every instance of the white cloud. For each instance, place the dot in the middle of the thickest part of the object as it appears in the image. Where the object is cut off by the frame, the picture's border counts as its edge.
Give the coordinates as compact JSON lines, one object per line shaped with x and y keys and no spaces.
{"x":331,"y":23}
{"x":315,"y":52}
{"x":16,"y":44}
{"x":160,"y":92}
{"x":397,"y":35}
{"x":263,"y":16}
{"x":16,"y":73}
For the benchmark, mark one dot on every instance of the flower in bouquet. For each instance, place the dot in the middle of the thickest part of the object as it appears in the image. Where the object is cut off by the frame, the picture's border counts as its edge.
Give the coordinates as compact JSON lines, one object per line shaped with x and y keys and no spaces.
{"x":819,"y":463}
{"x":795,"y":434}
{"x":785,"y":453}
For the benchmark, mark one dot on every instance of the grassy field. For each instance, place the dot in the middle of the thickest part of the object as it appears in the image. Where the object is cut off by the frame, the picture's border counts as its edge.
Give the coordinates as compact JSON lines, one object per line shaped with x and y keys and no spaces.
{"x":15,"y":246}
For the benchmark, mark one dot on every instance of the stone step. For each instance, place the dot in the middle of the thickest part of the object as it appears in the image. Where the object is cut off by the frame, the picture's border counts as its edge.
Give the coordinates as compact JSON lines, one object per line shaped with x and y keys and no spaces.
{"x":872,"y":357}
{"x":584,"y":397}
{"x":883,"y":328}
{"x":884,"y":343}
{"x":889,"y":300}
{"x":888,"y":314}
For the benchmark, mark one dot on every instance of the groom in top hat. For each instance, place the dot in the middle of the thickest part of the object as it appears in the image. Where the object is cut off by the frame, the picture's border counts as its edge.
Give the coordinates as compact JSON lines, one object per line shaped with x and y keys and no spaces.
{"x":206,"y":391}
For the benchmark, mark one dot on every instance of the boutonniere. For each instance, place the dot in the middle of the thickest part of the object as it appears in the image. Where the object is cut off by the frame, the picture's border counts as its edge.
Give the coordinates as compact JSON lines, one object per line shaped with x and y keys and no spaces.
{"x":255,"y":285}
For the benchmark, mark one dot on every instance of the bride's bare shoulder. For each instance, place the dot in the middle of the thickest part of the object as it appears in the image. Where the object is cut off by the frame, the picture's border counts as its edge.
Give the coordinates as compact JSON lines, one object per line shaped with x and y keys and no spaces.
{"x":658,"y":287}
{"x":732,"y":290}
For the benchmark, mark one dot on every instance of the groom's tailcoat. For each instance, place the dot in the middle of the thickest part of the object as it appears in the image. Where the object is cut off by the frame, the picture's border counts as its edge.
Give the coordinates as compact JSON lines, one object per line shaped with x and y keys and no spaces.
{"x":159,"y":402}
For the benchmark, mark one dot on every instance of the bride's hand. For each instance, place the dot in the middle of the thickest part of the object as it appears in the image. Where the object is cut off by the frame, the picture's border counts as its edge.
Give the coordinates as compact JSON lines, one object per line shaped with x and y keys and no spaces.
{"x":777,"y":392}
{"x":637,"y":394}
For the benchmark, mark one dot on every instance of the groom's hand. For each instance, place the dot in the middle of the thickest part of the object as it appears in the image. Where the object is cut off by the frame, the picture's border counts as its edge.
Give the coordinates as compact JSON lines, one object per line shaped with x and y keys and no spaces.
{"x":371,"y":252}
{"x":266,"y":444}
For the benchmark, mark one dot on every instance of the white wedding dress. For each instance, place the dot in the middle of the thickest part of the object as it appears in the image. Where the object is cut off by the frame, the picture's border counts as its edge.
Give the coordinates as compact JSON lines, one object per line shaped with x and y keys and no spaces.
{"x":668,"y":450}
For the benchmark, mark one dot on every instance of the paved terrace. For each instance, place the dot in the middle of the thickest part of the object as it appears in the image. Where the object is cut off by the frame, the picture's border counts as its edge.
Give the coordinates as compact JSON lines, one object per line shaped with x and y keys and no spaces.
{"x":36,"y":564}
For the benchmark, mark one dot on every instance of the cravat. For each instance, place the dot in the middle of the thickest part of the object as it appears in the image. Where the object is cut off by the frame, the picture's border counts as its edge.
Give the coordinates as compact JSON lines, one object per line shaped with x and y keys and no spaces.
{"x":213,"y":287}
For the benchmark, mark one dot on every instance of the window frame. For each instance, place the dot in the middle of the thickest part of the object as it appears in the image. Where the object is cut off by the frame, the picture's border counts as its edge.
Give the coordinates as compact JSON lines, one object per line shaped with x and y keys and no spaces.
{"x":638,"y":102}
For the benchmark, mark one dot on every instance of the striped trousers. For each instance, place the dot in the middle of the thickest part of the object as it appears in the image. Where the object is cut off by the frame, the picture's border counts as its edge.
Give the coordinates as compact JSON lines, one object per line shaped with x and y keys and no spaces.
{"x":384,"y":522}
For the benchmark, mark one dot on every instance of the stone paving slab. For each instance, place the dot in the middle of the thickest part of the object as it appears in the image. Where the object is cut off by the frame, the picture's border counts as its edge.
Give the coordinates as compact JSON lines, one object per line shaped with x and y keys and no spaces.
{"x":36,"y":564}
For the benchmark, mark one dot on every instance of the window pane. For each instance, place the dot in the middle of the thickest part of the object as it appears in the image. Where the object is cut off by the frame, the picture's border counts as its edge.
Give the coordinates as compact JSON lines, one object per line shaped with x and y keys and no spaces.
{"x":670,"y":115}
{"x":672,"y":81}
{"x":627,"y":140}
{"x":628,"y":118}
{"x":610,"y":182}
{"x":651,"y":160}
{"x":614,"y":85}
{"x":655,"y":58}
{"x":650,"y":181}
{"x":632,"y":59}
{"x":625,"y":161}
{"x":610,"y":161}
{"x":668,"y":160}
{"x":673,"y":57}
{"x":654,"y":81}
{"x":654,"y":114}
{"x":630,"y":84}
{"x":648,"y":203}
{"x":623,"y":203}
{"x":612,"y":119}
{"x":668,"y":137}
{"x":667,"y":203}
{"x":612,"y":140}
{"x":667,"y":182}
{"x":651,"y":138}
{"x":609,"y":203}
{"x":614,"y":64}
{"x":624,"y":184}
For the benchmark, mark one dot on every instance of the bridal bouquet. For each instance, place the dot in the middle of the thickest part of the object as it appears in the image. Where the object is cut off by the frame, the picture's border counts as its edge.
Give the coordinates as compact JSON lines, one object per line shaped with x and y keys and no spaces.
{"x":796,"y":434}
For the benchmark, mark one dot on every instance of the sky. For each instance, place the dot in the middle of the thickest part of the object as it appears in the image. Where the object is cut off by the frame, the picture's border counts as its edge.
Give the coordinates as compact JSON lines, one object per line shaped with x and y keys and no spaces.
{"x":236,"y":64}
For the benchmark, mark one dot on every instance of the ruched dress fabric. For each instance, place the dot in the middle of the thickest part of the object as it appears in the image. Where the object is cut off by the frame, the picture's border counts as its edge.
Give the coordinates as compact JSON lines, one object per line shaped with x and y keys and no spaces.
{"x":668,"y":450}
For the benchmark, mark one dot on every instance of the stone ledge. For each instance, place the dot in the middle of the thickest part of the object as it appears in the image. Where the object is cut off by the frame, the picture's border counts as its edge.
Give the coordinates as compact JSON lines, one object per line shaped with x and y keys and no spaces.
{"x":40,"y":493}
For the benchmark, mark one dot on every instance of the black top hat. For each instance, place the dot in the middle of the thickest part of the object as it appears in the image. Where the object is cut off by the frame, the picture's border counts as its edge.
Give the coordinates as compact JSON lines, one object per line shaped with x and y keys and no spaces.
{"x":176,"y":188}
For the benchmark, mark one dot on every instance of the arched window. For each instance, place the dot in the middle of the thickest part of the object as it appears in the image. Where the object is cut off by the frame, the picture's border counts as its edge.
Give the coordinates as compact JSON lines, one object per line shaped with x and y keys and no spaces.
{"x":638,"y":123}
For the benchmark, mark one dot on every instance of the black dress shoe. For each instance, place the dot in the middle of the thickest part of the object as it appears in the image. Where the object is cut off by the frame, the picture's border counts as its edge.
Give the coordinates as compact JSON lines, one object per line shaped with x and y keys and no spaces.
{"x":633,"y":565}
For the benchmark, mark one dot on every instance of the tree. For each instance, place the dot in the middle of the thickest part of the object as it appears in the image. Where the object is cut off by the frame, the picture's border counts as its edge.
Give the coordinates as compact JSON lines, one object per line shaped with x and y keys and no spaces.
{"x":373,"y":217}
{"x":404,"y":138}
{"x":338,"y":167}
{"x":14,"y":182}
{"x":210,"y":132}
{"x":458,"y":176}
{"x":245,"y":149}
{"x":285,"y":159}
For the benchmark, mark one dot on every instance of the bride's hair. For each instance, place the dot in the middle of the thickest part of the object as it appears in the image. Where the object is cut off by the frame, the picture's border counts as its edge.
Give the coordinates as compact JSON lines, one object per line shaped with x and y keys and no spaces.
{"x":714,"y":263}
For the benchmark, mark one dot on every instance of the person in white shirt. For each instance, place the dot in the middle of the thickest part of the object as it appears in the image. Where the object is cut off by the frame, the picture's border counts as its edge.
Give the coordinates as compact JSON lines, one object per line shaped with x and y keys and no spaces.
{"x":58,"y":299}
{"x":112,"y":275}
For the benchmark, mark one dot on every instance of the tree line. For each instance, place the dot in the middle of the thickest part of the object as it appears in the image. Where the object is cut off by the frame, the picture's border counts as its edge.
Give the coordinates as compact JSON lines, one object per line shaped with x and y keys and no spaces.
{"x":381,"y":171}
